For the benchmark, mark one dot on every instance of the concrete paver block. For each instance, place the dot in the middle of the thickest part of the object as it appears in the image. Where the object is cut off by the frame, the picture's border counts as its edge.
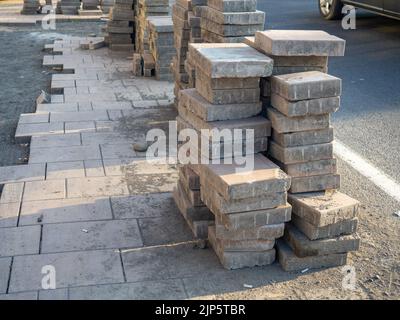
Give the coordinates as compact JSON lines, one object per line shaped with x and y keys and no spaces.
{"x":44,"y":190}
{"x":19,"y":240}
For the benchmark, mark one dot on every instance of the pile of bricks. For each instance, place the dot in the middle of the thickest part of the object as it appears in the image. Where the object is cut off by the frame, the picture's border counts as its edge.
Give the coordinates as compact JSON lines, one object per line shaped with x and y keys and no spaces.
{"x":299,"y":104}
{"x":106,"y":5}
{"x":145,"y":9}
{"x":230,"y":21}
{"x":120,"y":27}
{"x":249,"y":204}
{"x":70,"y":6}
{"x":30,"y":7}
{"x":161,"y":45}
{"x":180,"y":18}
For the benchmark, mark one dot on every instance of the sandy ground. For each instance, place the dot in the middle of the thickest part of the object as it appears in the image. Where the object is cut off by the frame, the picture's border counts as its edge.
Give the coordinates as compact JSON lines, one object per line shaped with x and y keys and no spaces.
{"x":20,"y":60}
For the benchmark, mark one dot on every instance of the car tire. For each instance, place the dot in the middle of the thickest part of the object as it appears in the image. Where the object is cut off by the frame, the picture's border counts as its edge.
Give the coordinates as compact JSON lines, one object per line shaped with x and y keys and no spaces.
{"x":330,"y":9}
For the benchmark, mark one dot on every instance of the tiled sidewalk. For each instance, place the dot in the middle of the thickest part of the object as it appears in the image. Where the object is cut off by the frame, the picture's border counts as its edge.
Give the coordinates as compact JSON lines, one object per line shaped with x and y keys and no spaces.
{"x":89,"y":205}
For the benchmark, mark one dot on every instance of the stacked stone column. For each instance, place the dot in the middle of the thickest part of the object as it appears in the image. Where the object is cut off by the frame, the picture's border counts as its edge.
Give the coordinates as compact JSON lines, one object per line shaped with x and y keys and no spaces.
{"x":324,"y":222}
{"x":120,"y":27}
{"x":249,"y":204}
{"x":230,"y":21}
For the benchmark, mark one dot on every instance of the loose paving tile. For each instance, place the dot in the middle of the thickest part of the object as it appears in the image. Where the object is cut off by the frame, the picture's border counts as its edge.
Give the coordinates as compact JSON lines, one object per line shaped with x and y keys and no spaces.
{"x":92,"y":235}
{"x":19,"y":240}
{"x":65,"y":210}
{"x":72,"y":269}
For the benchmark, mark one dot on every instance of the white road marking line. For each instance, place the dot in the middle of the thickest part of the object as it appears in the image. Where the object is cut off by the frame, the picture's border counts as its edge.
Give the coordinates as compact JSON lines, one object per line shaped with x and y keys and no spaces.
{"x":379,"y":178}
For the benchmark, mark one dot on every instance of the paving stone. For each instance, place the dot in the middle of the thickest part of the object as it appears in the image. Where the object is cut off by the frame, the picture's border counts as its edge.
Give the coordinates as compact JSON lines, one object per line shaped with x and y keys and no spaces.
{"x":56,"y":140}
{"x":234,"y":181}
{"x":301,"y":154}
{"x":72,"y":269}
{"x":345,"y":227}
{"x":117,"y":151}
{"x":164,"y":230}
{"x":94,"y":168}
{"x":80,"y":126}
{"x":241,"y":18}
{"x":299,"y":43}
{"x":54,"y":294}
{"x":306,"y":85}
{"x":38,"y":129}
{"x":65,"y":210}
{"x":32,"y":295}
{"x":5,"y":268}
{"x":19,"y":241}
{"x":303,"y":138}
{"x":311,"y":168}
{"x":44,"y":190}
{"x":237,"y":260}
{"x":266,"y":232}
{"x":217,"y":62}
{"x":62,"y":170}
{"x":162,"y":289}
{"x":110,"y":234}
{"x":324,"y":208}
{"x":42,"y":117}
{"x":230,"y":30}
{"x":106,"y":138}
{"x":304,"y":247}
{"x":112,"y":105}
{"x":283,"y":124}
{"x":57,"y":107}
{"x":305,"y":107}
{"x":20,"y":173}
{"x":96,"y":187}
{"x":98,"y":115}
{"x":168,"y":262}
{"x":233,"y":5}
{"x":9,"y":213}
{"x":255,"y":219}
{"x":12,"y":193}
{"x":315,"y":183}
{"x":64,"y":154}
{"x":290,"y":262}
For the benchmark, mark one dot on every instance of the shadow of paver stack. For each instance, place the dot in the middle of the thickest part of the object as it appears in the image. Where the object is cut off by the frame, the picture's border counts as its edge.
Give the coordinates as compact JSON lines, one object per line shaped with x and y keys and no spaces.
{"x":249,"y":203}
{"x":161,"y":46}
{"x":145,"y":9}
{"x":70,"y":6}
{"x":120,"y":26}
{"x":30,"y":7}
{"x":230,"y":21}
{"x":323,"y":226}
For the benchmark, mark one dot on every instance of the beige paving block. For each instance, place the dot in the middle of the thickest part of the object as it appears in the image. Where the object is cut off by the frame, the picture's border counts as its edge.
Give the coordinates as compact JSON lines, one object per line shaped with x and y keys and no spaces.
{"x":12,"y":193}
{"x":62,"y":170}
{"x":94,"y":168}
{"x":44,"y":190}
{"x":65,"y":210}
{"x":96,"y":187}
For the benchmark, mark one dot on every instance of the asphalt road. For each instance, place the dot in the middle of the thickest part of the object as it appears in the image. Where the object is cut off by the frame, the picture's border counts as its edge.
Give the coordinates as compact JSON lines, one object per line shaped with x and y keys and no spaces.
{"x":369,"y":119}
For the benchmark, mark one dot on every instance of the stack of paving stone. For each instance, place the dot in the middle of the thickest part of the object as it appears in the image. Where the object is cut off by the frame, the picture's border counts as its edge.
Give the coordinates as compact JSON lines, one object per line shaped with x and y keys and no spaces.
{"x":90,"y":4}
{"x":106,"y":5}
{"x":120,"y":26}
{"x":324,"y":221}
{"x":144,"y":9}
{"x":70,"y":6}
{"x":30,"y":7}
{"x":187,"y":198}
{"x":161,"y":44}
{"x":230,"y":21}
{"x":180,"y":18}
{"x":249,"y":204}
{"x":194,"y":20}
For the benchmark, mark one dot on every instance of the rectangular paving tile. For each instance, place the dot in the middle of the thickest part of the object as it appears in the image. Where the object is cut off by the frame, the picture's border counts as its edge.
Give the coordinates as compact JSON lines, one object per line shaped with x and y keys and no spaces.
{"x":9,"y":213}
{"x":146,"y":290}
{"x":44,"y":190}
{"x":98,"y":138}
{"x":19,"y":240}
{"x":117,"y":151}
{"x":96,"y":187}
{"x":72,"y":269}
{"x":41,"y":117}
{"x":54,"y":294}
{"x":12,"y":193}
{"x":56,"y":140}
{"x":81,"y":126}
{"x":63,"y":170}
{"x":94,"y":168}
{"x":65,"y":210}
{"x":5,"y":267}
{"x":39,"y":129}
{"x":26,"y":172}
{"x":63,"y":154}
{"x":167,"y":262}
{"x":78,"y":116}
{"x":32,"y":295}
{"x":92,"y":235}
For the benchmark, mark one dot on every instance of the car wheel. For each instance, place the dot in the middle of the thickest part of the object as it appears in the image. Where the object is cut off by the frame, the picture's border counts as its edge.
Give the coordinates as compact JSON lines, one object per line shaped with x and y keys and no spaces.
{"x":330,"y":9}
